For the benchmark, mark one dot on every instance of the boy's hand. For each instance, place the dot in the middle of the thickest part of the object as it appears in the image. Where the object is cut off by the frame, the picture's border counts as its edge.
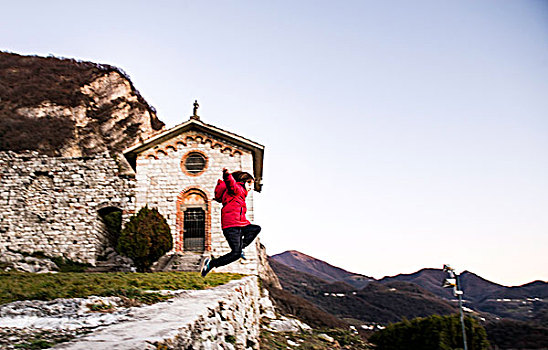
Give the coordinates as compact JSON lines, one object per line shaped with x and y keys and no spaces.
{"x":226,"y":175}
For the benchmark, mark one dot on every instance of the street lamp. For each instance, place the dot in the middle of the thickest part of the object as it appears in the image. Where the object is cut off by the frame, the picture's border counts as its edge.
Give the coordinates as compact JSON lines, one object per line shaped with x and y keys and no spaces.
{"x":452,"y":281}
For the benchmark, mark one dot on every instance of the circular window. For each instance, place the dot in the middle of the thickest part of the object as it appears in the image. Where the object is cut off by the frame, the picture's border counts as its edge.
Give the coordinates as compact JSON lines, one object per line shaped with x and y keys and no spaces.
{"x":194,"y":163}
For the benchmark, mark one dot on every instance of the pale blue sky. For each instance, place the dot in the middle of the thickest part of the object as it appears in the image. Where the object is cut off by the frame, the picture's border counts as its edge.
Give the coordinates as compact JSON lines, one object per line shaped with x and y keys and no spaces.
{"x":399,"y":134}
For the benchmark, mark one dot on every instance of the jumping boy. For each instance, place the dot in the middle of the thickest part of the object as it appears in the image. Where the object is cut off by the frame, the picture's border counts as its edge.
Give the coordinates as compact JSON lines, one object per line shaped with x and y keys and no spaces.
{"x":238,"y":231}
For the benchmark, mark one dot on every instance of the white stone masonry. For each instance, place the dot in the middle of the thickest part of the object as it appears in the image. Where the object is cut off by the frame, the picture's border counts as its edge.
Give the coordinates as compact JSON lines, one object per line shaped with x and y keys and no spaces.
{"x":50,"y":204}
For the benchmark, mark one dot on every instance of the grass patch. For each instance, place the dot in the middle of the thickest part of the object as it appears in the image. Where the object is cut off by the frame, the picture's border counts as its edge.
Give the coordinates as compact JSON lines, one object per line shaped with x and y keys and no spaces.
{"x":101,"y":307}
{"x":28,"y":286}
{"x":32,"y":344}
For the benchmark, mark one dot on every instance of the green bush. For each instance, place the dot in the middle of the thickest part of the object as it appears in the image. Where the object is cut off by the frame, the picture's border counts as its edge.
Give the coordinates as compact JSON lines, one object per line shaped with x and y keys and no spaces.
{"x":434,"y":332}
{"x":145,"y":238}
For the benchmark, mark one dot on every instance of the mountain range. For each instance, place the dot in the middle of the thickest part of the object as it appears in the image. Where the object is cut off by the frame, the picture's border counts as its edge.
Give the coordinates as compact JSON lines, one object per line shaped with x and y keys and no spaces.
{"x":310,"y":277}
{"x":376,"y":303}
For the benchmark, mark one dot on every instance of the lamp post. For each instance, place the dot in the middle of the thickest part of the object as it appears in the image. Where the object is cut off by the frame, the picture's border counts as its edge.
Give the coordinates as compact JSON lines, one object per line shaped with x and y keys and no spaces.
{"x":452,"y":281}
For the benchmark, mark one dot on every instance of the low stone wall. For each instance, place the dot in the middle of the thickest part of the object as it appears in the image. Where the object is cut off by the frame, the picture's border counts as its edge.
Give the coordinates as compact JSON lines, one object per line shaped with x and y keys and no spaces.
{"x":225,"y":317}
{"x":50,"y":204}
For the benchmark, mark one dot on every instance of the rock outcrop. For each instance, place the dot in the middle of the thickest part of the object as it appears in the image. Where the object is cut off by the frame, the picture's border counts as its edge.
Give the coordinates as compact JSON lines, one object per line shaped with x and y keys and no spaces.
{"x":266,"y":273}
{"x":68,"y":108}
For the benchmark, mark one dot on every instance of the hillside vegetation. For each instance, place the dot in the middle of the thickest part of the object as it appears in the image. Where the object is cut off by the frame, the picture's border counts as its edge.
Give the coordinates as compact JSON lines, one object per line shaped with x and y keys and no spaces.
{"x":510,"y":334}
{"x":431,"y":333}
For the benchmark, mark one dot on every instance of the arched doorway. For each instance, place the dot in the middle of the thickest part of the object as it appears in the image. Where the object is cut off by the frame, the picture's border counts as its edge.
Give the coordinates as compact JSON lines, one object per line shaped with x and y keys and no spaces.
{"x":193,"y":222}
{"x":111,"y":218}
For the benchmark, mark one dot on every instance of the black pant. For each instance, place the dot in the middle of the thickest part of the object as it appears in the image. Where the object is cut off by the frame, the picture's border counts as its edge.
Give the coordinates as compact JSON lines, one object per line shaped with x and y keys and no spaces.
{"x":238,"y":238}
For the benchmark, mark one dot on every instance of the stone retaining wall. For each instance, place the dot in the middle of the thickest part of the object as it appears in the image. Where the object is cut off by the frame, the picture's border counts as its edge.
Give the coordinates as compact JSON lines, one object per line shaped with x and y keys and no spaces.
{"x":50,"y":204}
{"x":225,"y":317}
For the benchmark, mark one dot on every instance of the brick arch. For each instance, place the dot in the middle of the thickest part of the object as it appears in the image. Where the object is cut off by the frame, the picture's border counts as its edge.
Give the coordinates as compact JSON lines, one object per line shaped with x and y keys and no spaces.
{"x":182,"y":197}
{"x":189,"y":138}
{"x":109,"y":204}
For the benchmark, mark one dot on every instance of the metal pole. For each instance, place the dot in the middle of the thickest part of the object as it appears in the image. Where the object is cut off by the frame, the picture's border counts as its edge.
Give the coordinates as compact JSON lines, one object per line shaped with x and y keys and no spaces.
{"x":461,"y":313}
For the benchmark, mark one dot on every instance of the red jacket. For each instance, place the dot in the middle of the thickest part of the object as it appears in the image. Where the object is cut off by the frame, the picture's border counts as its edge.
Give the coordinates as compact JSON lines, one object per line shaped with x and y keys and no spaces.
{"x":232,"y":195}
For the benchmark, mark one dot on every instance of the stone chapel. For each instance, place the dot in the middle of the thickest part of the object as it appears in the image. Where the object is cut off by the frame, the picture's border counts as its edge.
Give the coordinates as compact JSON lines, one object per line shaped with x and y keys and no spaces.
{"x":97,"y":154}
{"x":177,"y":170}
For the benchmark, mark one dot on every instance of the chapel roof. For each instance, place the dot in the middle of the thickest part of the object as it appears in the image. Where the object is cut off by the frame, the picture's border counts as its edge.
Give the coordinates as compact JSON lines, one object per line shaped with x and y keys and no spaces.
{"x":195,"y":124}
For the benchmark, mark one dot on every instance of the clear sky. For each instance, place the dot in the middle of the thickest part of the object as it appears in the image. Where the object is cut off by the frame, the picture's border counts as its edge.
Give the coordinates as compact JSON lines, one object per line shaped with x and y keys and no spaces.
{"x":399,"y":134}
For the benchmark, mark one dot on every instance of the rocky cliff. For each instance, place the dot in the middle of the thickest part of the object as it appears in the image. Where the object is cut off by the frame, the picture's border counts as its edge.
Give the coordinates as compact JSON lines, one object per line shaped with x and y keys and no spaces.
{"x":69,"y":108}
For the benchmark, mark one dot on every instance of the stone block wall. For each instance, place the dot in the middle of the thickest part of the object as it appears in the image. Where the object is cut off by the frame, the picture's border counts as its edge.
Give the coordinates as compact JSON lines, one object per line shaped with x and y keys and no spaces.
{"x":224,"y":317}
{"x":50,"y":204}
{"x":161,"y":182}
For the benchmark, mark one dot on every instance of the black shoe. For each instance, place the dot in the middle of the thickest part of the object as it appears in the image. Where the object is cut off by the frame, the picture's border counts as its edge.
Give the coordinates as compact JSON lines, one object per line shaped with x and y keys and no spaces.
{"x":206,"y":268}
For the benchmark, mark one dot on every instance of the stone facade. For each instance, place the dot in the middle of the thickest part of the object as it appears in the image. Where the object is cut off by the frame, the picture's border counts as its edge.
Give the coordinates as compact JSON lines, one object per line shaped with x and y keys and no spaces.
{"x":51,"y":204}
{"x":163,"y":182}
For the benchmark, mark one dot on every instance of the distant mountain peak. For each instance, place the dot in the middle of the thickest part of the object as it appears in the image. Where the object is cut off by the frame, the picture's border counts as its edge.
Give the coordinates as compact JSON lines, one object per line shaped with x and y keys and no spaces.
{"x":321,"y":269}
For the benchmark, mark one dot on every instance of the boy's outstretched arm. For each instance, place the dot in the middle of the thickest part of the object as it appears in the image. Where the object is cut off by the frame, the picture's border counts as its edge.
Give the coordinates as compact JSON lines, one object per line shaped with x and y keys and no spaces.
{"x":229,"y":181}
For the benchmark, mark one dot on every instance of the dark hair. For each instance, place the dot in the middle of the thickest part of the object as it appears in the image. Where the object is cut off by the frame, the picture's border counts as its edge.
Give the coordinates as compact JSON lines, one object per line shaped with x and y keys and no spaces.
{"x":242,"y":176}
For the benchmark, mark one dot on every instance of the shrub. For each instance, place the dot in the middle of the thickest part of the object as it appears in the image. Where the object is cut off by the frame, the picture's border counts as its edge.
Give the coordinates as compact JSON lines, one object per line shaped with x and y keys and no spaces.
{"x":145,"y":238}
